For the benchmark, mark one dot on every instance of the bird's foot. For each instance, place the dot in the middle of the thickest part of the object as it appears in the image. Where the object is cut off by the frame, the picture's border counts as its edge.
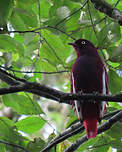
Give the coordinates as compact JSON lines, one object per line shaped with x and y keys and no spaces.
{"x":80,"y":92}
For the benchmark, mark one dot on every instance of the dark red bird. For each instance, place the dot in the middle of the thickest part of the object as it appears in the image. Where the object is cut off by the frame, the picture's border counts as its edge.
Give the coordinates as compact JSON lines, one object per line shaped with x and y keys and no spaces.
{"x":88,"y":76}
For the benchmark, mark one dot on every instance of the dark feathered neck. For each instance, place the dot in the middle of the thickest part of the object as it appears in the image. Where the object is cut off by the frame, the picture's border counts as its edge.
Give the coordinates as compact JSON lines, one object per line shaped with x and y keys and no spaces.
{"x":88,"y":51}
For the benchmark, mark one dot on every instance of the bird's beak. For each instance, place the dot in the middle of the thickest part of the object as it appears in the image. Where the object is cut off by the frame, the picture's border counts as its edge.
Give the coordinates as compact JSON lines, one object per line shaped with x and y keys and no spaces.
{"x":73,"y":44}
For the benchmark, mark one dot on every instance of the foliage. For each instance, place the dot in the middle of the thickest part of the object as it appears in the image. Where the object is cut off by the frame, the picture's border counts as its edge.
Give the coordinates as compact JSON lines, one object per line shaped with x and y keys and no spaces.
{"x":39,"y":42}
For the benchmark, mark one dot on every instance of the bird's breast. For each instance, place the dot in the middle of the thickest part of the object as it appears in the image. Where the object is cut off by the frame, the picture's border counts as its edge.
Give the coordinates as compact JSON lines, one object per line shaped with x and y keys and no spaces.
{"x":87,"y":72}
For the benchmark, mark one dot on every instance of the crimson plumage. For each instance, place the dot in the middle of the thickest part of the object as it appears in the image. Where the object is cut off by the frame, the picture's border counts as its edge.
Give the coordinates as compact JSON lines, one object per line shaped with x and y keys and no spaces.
{"x":88,"y":76}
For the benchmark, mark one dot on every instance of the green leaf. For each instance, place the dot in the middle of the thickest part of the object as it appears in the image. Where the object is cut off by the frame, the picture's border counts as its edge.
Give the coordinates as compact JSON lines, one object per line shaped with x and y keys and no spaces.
{"x":25,"y":4}
{"x":120,"y":66}
{"x":115,"y":131}
{"x":10,"y":44}
{"x":2,"y":147}
{"x":72,"y":118}
{"x":47,"y":66}
{"x":115,"y":82}
{"x":8,"y":59}
{"x":31,"y":42}
{"x":73,"y":22}
{"x":54,"y":7}
{"x":62,"y":12}
{"x":30,"y":124}
{"x":113,"y":64}
{"x":116,"y":55}
{"x":44,"y":11}
{"x":6,"y":7}
{"x":19,"y":38}
{"x":7,"y":129}
{"x":16,"y":21}
{"x":36,"y":146}
{"x":61,"y":147}
{"x":26,"y":18}
{"x":37,"y":76}
{"x":109,"y":34}
{"x":117,"y":144}
{"x":115,"y":105}
{"x":86,"y":144}
{"x":56,"y":47}
{"x":21,"y":104}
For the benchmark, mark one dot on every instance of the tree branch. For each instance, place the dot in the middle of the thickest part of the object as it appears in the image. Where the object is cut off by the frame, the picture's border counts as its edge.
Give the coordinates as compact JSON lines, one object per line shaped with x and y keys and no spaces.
{"x":59,"y":96}
{"x":72,"y":130}
{"x":107,"y":125}
{"x":106,"y":8}
{"x":4,"y":76}
{"x":18,"y":84}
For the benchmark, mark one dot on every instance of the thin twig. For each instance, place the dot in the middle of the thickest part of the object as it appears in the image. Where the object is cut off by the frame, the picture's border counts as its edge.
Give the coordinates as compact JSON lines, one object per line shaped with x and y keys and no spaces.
{"x":66,"y":18}
{"x":51,"y":72}
{"x":93,"y":27}
{"x":68,"y":35}
{"x":53,"y":50}
{"x":14,"y":145}
{"x":40,"y":28}
{"x":116,"y":3}
{"x":87,"y":26}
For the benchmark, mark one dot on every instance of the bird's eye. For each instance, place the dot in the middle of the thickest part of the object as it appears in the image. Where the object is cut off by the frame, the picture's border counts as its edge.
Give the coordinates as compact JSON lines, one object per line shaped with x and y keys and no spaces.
{"x":83,"y":42}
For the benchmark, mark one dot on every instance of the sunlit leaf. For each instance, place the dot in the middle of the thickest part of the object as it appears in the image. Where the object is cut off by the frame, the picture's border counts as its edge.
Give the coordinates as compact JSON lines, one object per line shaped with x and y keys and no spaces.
{"x":30,"y":124}
{"x":10,"y":44}
{"x":116,"y":55}
{"x":115,"y":131}
{"x":21,"y":104}
{"x":115,"y":82}
{"x":109,"y":34}
{"x":6,"y":7}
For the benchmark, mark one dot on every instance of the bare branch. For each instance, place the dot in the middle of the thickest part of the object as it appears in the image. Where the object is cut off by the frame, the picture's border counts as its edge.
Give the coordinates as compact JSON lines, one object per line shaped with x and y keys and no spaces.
{"x":91,"y":97}
{"x":4,"y":76}
{"x":50,"y":93}
{"x":59,"y":96}
{"x":106,"y":8}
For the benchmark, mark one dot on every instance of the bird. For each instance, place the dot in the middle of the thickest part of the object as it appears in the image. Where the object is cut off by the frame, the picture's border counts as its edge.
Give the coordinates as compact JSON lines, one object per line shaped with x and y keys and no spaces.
{"x":89,"y":75}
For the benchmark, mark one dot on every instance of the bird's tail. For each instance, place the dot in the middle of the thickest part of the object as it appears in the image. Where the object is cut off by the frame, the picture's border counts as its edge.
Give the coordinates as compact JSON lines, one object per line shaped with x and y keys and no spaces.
{"x":90,"y":127}
{"x":90,"y":114}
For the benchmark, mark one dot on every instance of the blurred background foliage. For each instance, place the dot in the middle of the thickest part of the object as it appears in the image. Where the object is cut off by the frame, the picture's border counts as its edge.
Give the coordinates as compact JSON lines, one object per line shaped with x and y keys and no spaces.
{"x":34,"y":38}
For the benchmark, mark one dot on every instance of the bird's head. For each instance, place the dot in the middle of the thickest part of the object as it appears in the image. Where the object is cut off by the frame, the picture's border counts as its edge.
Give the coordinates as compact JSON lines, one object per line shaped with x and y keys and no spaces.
{"x":83,"y":47}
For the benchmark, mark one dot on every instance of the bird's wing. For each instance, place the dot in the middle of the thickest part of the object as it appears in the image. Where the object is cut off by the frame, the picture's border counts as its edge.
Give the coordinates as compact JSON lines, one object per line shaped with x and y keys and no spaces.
{"x":75,"y":103}
{"x":104,"y":91}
